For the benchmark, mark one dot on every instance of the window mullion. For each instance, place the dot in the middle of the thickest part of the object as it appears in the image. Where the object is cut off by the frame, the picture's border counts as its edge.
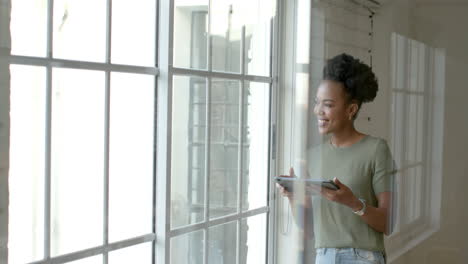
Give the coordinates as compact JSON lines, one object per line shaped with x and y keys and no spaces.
{"x":218,"y":221}
{"x":222,"y":75}
{"x":156,"y":56}
{"x":208,"y":136}
{"x":105,"y":257}
{"x":48,"y":139}
{"x":240,"y":150}
{"x":207,"y":165}
{"x":89,"y":252}
{"x":164,"y":130}
{"x":85,"y":65}
{"x":48,"y":157}
{"x":50,"y":28}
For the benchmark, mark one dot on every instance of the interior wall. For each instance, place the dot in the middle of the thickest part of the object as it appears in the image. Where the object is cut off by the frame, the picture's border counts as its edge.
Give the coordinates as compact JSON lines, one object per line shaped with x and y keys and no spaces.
{"x":443,"y":25}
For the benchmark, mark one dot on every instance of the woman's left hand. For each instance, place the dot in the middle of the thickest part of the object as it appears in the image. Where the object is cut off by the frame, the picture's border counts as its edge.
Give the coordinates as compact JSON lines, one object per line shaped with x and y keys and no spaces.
{"x":344,"y":196}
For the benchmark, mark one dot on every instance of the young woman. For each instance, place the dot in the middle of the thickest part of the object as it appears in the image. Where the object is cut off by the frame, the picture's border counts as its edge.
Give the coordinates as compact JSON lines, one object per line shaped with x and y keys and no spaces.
{"x":348,"y":223}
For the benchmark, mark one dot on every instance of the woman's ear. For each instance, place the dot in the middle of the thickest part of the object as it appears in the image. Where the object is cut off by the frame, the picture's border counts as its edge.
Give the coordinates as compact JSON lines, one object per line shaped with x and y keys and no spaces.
{"x":352,"y":110}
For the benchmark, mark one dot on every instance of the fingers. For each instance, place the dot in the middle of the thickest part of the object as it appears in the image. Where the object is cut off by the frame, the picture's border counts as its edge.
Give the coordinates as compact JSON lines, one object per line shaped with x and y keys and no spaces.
{"x":330,"y":195}
{"x":283,"y":190}
{"x":342,"y":195}
{"x":337,"y":182}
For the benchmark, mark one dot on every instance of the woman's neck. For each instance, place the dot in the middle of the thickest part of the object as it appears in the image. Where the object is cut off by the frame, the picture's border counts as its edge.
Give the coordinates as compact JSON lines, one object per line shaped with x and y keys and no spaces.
{"x":346,"y":137}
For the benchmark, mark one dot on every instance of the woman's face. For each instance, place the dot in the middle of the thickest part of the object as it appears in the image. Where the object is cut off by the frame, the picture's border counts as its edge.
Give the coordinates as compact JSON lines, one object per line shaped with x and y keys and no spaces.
{"x":332,"y":109}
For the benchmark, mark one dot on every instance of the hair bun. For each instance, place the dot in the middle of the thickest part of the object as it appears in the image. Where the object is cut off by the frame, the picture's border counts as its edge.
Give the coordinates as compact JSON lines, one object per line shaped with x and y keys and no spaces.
{"x":359,"y":81}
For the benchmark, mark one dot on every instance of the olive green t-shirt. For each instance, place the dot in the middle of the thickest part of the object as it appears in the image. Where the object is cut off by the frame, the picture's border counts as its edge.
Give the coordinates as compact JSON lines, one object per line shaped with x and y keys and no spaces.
{"x":366,"y":167}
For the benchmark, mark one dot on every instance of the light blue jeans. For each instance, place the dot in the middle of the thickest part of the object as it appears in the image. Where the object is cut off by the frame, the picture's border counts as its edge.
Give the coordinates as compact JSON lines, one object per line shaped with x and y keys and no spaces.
{"x":348,"y":256}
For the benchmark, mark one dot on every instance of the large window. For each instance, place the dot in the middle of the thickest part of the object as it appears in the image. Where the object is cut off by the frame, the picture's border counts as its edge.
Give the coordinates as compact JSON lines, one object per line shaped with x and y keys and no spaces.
{"x":86,"y":90}
{"x":416,"y":140}
{"x":410,"y":97}
{"x":82,"y":128}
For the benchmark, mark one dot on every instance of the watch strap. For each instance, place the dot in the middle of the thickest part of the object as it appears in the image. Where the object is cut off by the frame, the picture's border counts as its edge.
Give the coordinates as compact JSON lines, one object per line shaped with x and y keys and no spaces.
{"x":363,"y":209}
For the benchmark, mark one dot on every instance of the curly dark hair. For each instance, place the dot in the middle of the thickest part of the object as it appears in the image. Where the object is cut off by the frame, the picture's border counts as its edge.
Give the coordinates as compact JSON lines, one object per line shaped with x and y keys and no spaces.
{"x":358,"y":79}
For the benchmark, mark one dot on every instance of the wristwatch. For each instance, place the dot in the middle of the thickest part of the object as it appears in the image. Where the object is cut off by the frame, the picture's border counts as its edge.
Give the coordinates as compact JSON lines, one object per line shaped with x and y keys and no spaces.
{"x":363,"y":210}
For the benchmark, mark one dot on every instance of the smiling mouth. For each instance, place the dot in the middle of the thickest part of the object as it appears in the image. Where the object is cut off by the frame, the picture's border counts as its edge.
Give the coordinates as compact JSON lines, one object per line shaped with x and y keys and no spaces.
{"x":323,"y":122}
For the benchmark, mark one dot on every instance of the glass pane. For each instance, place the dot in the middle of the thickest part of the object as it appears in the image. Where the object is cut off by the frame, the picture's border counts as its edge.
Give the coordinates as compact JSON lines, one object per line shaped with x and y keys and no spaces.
{"x":226,"y":32}
{"x":133,"y":32}
{"x":411,"y":132}
{"x":257,"y":54}
{"x":141,"y":254}
{"x":401,"y":66}
{"x":257,"y":18}
{"x":255,"y":146}
{"x":80,"y":30}
{"x":222,"y":244}
{"x":188,"y":248}
{"x":131,"y":161}
{"x":407,"y":188}
{"x":302,"y":43}
{"x":398,"y":201}
{"x":423,"y":79}
{"x":417,"y":192}
{"x":414,"y":65}
{"x":421,"y":130}
{"x":414,"y":190}
{"x":90,"y":260}
{"x":188,"y":150}
{"x":77,"y":159}
{"x":27,"y":160}
{"x":398,"y":135}
{"x":190,"y":33}
{"x":253,"y":240}
{"x":227,"y":19}
{"x":29,"y":25}
{"x":415,"y":128}
{"x":224,"y":147}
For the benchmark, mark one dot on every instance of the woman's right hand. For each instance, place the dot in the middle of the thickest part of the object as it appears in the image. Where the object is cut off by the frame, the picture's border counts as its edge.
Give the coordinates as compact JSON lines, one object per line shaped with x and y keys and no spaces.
{"x":283,"y":190}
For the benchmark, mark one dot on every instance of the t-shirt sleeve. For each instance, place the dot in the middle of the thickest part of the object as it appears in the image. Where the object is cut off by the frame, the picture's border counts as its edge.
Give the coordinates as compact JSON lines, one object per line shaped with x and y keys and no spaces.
{"x":384,"y":168}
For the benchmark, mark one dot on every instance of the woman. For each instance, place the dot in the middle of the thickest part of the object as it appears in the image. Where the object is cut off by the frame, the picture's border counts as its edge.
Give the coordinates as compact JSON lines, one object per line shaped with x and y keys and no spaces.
{"x":348,"y":223}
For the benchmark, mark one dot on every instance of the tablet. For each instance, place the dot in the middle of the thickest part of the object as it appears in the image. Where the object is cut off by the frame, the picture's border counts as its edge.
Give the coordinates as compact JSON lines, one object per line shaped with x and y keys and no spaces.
{"x":289,"y":182}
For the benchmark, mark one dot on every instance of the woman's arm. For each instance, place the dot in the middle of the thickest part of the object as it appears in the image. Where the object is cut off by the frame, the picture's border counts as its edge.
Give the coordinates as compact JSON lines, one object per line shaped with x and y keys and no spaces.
{"x":375,"y":217}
